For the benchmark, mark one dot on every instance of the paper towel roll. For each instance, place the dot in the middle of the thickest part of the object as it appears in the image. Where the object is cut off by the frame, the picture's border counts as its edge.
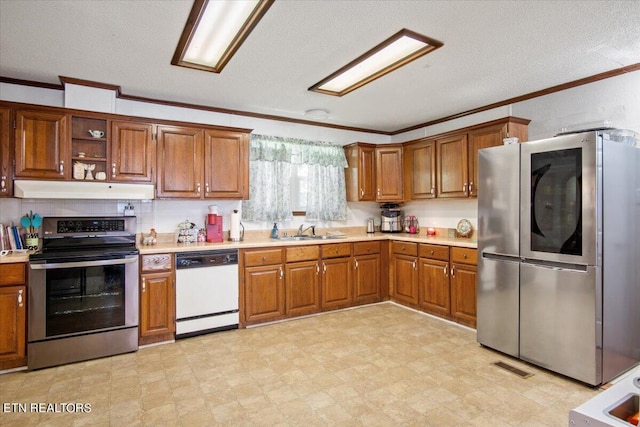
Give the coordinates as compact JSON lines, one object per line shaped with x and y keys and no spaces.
{"x":234,"y":233}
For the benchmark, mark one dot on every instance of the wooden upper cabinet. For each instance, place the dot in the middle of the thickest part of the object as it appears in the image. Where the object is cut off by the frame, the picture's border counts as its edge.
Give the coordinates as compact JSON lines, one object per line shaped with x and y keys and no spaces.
{"x":226,"y":165}
{"x":420,"y":170}
{"x":179,"y":162}
{"x":453,"y":178}
{"x":41,"y":145}
{"x":361,"y":172}
{"x":389,"y":173}
{"x":491,"y":136}
{"x":132,"y":152}
{"x":6,"y":180}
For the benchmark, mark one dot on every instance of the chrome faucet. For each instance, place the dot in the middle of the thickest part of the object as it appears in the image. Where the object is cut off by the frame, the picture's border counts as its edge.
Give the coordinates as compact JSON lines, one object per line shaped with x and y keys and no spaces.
{"x":302,"y":231}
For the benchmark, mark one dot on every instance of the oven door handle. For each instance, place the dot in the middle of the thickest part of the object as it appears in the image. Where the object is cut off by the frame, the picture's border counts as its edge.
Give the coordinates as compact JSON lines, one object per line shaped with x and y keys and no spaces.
{"x":56,"y":265}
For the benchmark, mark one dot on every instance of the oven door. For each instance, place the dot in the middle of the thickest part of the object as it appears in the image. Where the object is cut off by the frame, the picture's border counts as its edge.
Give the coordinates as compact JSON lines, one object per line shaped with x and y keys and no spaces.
{"x":558,"y":199}
{"x":74,"y":298}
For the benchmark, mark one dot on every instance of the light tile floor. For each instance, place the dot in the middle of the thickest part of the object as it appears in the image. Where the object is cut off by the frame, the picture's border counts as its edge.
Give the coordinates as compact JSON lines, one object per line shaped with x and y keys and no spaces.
{"x":379,"y":365}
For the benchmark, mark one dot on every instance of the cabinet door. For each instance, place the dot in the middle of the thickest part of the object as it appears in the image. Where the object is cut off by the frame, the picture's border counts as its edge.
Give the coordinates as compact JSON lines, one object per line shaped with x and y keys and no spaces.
{"x":434,"y":286}
{"x":226,"y":165}
{"x":302,"y":288}
{"x":6,"y":181}
{"x":420,"y":170}
{"x":264,"y":293}
{"x":389,"y":174}
{"x":336,"y":283}
{"x":452,"y":179}
{"x":367,"y":174}
{"x":132,"y":152}
{"x":366,"y":279}
{"x":41,"y":145}
{"x":12,"y":322}
{"x":405,"y":278}
{"x":180,"y":162}
{"x":463,"y":293}
{"x":360,"y":175}
{"x":157,"y":305}
{"x":491,"y":136}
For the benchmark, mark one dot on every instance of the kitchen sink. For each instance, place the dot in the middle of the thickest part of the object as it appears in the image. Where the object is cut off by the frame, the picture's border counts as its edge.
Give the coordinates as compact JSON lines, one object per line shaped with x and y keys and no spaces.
{"x":302,"y":238}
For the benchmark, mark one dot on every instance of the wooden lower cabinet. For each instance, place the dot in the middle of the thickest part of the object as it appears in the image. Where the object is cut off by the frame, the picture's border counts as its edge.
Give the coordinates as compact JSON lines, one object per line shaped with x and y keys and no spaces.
{"x":337,"y":287}
{"x":264,"y":293}
{"x":306,"y":279}
{"x":464,"y":278}
{"x":262,"y":290}
{"x":13,"y":316}
{"x":302,"y":288}
{"x":404,"y":272}
{"x":367,"y":272}
{"x":157,"y":299}
{"x":434,"y":286}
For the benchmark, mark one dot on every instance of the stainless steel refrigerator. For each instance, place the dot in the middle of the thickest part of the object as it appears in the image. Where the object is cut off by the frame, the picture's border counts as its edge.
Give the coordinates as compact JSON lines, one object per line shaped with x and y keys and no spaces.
{"x":559,"y":252}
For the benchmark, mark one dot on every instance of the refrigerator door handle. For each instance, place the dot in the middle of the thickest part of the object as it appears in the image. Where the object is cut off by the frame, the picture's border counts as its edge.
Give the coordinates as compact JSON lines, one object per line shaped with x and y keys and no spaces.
{"x":555,"y":265}
{"x":500,"y":257}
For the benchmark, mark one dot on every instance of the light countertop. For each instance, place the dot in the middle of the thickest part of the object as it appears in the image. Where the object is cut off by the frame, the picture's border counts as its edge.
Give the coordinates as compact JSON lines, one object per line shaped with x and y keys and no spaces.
{"x":257,"y":240}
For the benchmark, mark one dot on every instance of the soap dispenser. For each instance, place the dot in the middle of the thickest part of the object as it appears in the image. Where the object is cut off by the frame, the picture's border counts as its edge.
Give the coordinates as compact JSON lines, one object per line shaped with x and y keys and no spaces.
{"x":274,"y":231}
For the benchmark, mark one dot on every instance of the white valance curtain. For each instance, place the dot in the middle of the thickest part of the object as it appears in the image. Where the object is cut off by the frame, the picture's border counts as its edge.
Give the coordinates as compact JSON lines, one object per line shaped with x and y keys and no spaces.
{"x":270,"y":161}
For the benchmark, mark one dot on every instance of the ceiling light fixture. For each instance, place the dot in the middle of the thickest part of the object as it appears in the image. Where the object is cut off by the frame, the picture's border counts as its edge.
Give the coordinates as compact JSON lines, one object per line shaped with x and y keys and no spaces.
{"x":317,"y":114}
{"x":215,"y":30}
{"x":398,"y":50}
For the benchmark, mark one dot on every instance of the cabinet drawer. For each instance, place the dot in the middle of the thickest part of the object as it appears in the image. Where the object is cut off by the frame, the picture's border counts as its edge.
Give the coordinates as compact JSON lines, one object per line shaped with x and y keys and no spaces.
{"x":157,"y":262}
{"x":303,"y":253}
{"x":336,"y":250}
{"x":262,"y":257}
{"x":464,"y":255}
{"x":12,"y":274}
{"x":434,"y":252}
{"x":404,"y":248}
{"x":364,"y":248}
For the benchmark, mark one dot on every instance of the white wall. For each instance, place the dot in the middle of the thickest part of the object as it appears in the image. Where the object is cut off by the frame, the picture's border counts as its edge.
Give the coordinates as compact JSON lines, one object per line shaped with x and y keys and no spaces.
{"x":615,"y":101}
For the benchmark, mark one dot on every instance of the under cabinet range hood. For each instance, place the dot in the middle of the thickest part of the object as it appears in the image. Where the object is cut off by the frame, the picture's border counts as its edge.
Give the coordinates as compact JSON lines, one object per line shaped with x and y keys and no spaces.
{"x":27,"y":189}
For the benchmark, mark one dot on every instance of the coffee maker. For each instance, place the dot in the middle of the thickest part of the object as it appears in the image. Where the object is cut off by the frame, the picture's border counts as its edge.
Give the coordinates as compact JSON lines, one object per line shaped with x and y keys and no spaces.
{"x":391,"y":218}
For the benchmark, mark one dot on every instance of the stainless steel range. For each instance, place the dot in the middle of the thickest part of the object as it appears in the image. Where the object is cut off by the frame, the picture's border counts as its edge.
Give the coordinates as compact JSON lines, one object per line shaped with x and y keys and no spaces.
{"x":83,"y":290}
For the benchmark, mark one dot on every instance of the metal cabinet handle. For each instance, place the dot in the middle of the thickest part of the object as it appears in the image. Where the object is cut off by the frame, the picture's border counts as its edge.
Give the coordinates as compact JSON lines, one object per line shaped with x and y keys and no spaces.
{"x":444,"y":270}
{"x":317,"y":269}
{"x":113,"y":170}
{"x":415,"y":264}
{"x":20,"y":298}
{"x":61,"y":167}
{"x":198,"y":188}
{"x":453,"y":271}
{"x":281,"y":273}
{"x":144,"y":284}
{"x":464,"y":188}
{"x":378,"y":191}
{"x":355,"y":264}
{"x":471,"y":187}
{"x":3,"y":184}
{"x":361,"y":192}
{"x":206,"y":187}
{"x":433,"y":190}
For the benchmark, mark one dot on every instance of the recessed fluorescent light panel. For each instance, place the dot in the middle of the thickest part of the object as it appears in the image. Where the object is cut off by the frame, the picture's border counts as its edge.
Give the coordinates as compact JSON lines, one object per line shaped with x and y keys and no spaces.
{"x":215,"y":30}
{"x":398,"y":50}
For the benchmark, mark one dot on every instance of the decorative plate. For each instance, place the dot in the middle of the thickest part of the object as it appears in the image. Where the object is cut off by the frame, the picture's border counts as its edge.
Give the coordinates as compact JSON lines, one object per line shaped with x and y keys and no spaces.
{"x":463,"y":228}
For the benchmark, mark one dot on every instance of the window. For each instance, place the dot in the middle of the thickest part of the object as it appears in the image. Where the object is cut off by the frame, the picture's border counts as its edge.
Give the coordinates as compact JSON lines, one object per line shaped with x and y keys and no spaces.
{"x":290,"y":175}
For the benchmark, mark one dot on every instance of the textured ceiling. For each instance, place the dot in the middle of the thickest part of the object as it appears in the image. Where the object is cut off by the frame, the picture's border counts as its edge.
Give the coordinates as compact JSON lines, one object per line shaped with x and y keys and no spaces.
{"x":493,"y":50}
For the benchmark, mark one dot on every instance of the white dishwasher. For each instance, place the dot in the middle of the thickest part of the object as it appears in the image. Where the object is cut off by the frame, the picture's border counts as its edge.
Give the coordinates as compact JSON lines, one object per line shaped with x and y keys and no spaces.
{"x":206,"y":292}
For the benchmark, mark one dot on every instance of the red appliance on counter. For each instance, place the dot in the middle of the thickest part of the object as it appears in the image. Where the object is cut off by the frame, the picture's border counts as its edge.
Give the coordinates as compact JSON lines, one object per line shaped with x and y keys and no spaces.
{"x":214,"y":228}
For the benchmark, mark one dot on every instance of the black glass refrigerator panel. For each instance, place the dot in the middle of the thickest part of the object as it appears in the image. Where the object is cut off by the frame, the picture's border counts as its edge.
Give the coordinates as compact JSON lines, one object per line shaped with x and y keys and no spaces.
{"x":556,"y":205}
{"x":83,"y":299}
